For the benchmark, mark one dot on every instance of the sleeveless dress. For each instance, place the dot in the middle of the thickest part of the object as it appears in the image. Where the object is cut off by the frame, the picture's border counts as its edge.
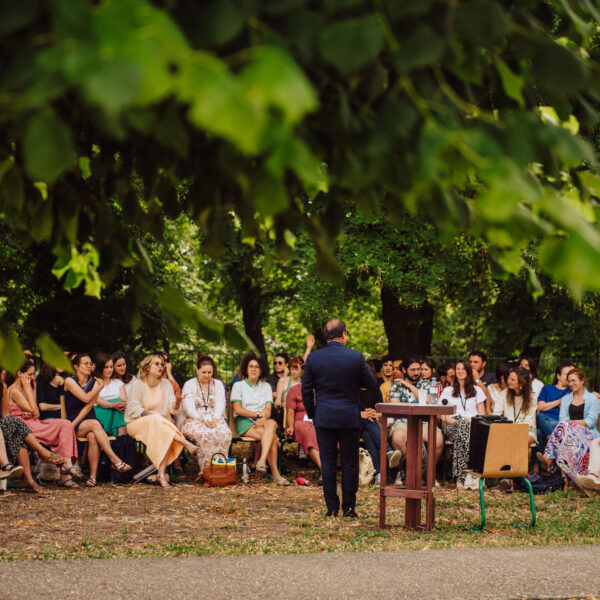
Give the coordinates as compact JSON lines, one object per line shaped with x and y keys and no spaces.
{"x":304,"y":431}
{"x":74,"y":405}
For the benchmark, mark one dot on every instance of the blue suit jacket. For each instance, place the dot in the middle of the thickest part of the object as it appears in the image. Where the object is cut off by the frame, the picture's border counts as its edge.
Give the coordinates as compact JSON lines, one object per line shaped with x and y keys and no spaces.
{"x":336,"y":373}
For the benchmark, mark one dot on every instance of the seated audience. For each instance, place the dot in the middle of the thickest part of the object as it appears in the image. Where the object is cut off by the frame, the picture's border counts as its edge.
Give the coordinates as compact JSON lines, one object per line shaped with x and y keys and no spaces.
{"x":549,"y":402}
{"x":299,"y":426}
{"x":81,"y":392}
{"x":288,"y":381}
{"x":148,"y":416}
{"x":498,"y":390}
{"x":530,"y":363}
{"x":16,"y":435}
{"x":478,"y":361}
{"x":591,"y":480}
{"x":405,"y":390}
{"x":48,"y":390}
{"x":469,"y":400}
{"x":56,"y":433}
{"x":428,"y":372}
{"x":120,"y":365}
{"x":517,"y":403}
{"x":202,"y":416}
{"x":112,"y":399}
{"x":568,"y":445}
{"x":252,"y":399}
{"x":447,"y":374}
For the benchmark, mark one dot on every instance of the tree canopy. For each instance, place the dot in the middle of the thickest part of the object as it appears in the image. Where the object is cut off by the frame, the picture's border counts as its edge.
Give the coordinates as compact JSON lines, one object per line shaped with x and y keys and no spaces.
{"x":261,"y":120}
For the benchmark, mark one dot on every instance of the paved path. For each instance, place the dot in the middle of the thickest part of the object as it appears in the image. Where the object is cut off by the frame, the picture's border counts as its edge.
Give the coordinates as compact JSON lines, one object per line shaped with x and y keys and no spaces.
{"x":523,"y":572}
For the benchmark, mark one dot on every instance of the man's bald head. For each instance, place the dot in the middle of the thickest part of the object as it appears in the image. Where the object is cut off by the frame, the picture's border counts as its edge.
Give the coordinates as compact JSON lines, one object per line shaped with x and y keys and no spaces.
{"x":334,"y":329}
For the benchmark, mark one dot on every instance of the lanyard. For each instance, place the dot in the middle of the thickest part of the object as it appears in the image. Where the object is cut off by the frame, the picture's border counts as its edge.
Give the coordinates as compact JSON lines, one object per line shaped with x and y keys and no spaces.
{"x":463,"y":401}
{"x":515,"y":417}
{"x":205,"y":399}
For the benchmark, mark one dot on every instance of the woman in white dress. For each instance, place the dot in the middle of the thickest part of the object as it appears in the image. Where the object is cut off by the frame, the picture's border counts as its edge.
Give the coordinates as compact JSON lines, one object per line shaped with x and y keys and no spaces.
{"x":203,"y":407}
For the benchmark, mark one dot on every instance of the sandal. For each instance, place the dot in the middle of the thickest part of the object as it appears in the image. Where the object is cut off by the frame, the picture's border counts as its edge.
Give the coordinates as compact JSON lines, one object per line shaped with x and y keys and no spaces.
{"x":91,"y":482}
{"x":162,"y":480}
{"x":71,"y":471}
{"x":9,"y":471}
{"x":261,"y":467}
{"x":121,"y":467}
{"x":55,"y":459}
{"x":68,"y":483}
{"x":35,"y":489}
{"x":282,"y":481}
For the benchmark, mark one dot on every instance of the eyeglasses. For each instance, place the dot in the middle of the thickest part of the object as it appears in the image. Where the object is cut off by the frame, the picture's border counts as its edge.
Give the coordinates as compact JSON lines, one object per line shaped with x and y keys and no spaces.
{"x":253,"y":367}
{"x":278,"y":362}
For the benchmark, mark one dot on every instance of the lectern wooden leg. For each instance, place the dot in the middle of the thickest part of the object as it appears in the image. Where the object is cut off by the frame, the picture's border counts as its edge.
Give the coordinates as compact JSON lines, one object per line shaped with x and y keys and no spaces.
{"x":431,"y":462}
{"x":412,"y":517}
{"x":383,"y":472}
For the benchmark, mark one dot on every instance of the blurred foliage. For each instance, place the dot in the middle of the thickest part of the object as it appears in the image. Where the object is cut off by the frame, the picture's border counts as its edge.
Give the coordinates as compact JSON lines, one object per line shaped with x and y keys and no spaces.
{"x":119,"y":115}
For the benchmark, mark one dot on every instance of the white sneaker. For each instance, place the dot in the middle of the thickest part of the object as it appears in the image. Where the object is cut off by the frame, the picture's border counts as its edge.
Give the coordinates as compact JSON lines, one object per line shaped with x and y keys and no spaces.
{"x":471,"y":482}
{"x":394,"y":458}
{"x":399,"y":481}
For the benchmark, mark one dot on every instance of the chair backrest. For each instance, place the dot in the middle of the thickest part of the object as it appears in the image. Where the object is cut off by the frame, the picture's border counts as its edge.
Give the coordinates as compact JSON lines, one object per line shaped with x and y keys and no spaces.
{"x":63,"y":407}
{"x":232,"y":423}
{"x":507,"y":449}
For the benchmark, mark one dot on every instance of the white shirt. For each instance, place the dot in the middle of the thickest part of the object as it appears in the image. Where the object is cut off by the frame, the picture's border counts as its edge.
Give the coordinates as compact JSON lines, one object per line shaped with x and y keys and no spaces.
{"x":112,"y":390}
{"x":253,"y":397}
{"x":536,"y":387}
{"x":515,"y":412}
{"x":496,"y":394}
{"x":193,"y":400}
{"x":465,"y":407}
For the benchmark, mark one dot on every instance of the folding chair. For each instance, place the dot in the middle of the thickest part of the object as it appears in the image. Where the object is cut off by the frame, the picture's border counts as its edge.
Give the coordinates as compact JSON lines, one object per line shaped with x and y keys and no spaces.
{"x":506,"y":457}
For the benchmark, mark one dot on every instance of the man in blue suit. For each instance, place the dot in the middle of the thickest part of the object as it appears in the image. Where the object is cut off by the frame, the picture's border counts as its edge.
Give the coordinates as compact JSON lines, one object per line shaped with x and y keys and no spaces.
{"x":331,"y":384}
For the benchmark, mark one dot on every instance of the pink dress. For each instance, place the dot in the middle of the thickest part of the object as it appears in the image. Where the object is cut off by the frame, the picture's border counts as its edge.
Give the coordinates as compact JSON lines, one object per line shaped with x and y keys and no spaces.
{"x":304,"y":431}
{"x":56,"y":433}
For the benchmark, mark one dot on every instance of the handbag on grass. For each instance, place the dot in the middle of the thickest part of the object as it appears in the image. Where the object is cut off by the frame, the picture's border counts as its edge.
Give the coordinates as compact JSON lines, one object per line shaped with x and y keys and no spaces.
{"x":219,"y":474}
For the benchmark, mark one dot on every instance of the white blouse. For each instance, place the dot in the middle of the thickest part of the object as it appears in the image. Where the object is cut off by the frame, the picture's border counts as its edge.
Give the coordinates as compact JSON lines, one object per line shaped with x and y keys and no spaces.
{"x":197,"y":404}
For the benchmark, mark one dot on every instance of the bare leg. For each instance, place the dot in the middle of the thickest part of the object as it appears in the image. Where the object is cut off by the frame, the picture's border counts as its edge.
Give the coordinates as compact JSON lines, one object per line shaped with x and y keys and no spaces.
{"x":272,"y":457}
{"x":270,"y":427}
{"x":188,"y":445}
{"x":3,"y":455}
{"x":315,"y":456}
{"x":399,"y":440}
{"x":93,"y":426}
{"x":93,"y":454}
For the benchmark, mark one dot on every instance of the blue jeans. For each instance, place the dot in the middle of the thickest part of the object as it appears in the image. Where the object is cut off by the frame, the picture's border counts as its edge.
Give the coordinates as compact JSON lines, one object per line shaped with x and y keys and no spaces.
{"x":371,"y":435}
{"x":545,"y":426}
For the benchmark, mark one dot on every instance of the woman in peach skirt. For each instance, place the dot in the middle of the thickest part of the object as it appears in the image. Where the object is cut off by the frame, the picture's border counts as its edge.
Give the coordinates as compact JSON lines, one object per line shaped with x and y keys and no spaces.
{"x":148,"y":416}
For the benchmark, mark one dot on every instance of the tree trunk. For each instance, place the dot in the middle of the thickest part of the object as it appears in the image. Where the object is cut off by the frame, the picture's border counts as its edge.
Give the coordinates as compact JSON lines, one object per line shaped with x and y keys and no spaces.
{"x":409,"y":330}
{"x":251,"y":303}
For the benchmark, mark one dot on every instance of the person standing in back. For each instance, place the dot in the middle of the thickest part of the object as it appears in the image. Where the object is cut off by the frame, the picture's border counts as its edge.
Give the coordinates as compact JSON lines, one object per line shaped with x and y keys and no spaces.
{"x":331,"y":386}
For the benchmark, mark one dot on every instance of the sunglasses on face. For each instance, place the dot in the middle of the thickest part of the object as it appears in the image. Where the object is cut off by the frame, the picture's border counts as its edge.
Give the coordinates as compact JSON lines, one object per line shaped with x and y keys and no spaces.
{"x":278,"y":362}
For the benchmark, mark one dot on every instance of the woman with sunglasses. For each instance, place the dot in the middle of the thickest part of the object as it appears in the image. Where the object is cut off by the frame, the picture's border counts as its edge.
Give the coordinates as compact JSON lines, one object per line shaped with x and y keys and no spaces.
{"x":148,"y":416}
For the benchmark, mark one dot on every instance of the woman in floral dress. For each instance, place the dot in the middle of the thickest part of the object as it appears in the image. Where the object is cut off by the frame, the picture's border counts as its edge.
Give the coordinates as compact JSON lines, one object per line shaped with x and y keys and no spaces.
{"x":203,"y":406}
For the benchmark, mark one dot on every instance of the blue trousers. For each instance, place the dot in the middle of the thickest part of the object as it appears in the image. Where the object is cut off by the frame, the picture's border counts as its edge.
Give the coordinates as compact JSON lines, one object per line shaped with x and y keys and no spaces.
{"x":371,"y":435}
{"x":545,"y":426}
{"x":328,"y":439}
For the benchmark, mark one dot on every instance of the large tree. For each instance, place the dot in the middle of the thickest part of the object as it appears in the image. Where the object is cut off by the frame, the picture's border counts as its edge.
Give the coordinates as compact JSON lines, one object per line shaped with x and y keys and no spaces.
{"x":107,"y":107}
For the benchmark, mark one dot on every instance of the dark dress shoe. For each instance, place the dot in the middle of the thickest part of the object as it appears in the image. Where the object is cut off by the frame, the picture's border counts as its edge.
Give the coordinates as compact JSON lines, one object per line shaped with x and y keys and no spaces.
{"x":350,"y":514}
{"x":331,"y":514}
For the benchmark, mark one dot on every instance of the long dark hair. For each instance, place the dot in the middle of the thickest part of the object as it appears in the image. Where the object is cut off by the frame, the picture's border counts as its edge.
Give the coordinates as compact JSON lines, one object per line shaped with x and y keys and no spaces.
{"x":100,"y":361}
{"x":46,"y":374}
{"x":524,"y":378}
{"x":127,"y":377}
{"x":469,"y":381}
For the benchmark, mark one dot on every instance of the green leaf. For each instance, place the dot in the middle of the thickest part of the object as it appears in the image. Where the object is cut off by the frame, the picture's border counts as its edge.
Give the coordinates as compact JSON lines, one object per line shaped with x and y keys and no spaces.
{"x":352,"y":43}
{"x":236,"y":338}
{"x":222,"y":21}
{"x":421,"y":48}
{"x":41,"y":223}
{"x":52,"y":353}
{"x":558,"y":69}
{"x":12,"y":195}
{"x":268,"y":194}
{"x":47,"y":146}
{"x":480,"y":22}
{"x":512,"y":84}
{"x":274,"y":79}
{"x":11,"y":352}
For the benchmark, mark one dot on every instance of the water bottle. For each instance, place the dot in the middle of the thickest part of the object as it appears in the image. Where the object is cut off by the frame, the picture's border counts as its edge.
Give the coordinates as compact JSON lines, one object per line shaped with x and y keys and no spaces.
{"x":433,"y":391}
{"x":245,"y":474}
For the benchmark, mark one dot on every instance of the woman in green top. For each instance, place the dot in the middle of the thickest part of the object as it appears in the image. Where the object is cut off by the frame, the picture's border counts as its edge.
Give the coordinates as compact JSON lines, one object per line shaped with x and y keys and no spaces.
{"x":112,"y":400}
